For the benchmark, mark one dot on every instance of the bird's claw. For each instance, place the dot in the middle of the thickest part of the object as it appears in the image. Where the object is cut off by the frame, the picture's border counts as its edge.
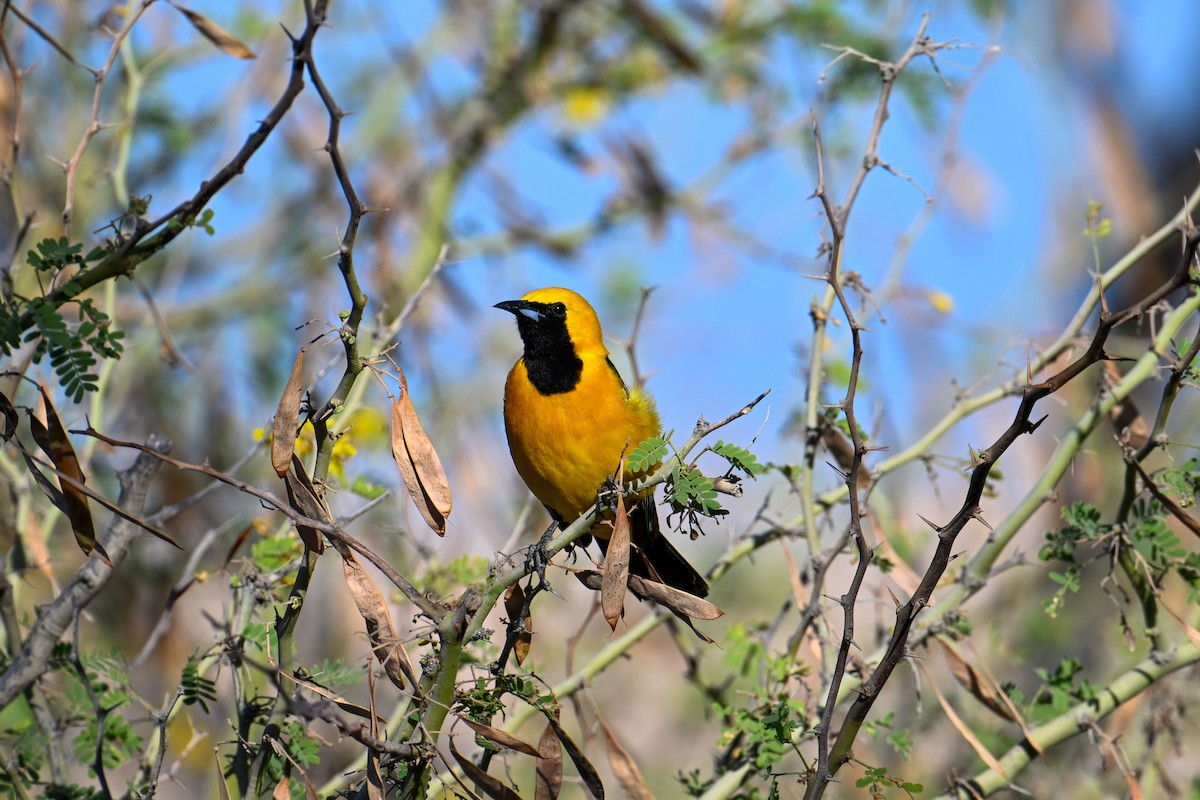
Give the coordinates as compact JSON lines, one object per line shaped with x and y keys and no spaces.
{"x":539,"y":558}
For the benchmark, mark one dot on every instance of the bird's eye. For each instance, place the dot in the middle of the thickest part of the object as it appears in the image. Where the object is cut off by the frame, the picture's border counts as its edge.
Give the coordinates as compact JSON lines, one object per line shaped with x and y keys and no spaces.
{"x":559,"y":309}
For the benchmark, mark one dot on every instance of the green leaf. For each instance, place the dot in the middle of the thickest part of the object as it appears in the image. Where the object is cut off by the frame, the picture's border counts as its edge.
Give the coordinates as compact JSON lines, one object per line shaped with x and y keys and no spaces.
{"x":647,"y":454}
{"x":739,"y":458}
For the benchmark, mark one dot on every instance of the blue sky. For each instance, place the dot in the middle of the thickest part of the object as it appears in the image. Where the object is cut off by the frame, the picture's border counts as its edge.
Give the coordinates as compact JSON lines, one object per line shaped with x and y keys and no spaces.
{"x":727,"y":323}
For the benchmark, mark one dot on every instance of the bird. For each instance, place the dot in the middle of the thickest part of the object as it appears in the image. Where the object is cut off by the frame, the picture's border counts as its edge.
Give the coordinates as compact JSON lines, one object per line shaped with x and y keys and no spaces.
{"x":569,"y":419}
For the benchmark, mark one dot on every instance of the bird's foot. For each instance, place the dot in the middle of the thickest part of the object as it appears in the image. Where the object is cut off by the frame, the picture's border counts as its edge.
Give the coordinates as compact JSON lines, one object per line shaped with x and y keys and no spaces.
{"x":539,"y":557}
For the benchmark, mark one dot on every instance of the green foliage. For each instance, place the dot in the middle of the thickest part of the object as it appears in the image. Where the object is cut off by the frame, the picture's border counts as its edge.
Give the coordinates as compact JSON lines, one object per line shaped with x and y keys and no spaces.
{"x":1183,"y":483}
{"x":647,"y":454}
{"x":1060,"y":690}
{"x":443,"y":578}
{"x":877,"y":779}
{"x":692,"y":496}
{"x":1147,"y":532}
{"x":23,"y":767}
{"x":483,"y":702}
{"x":761,"y":726}
{"x":121,"y":742}
{"x":73,"y":352}
{"x":197,"y":689}
{"x":55,"y":255}
{"x":275,"y":553}
{"x":739,"y":458}
{"x":1067,"y":581}
{"x":1151,"y":537}
{"x":366,"y":488}
{"x":1083,"y":524}
{"x":332,"y":674}
{"x":690,"y":489}
{"x":899,"y":739}
{"x":1097,"y":226}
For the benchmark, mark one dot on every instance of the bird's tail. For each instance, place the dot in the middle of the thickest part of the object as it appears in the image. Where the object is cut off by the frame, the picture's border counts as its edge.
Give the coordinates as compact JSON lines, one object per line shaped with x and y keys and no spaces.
{"x":652,"y":555}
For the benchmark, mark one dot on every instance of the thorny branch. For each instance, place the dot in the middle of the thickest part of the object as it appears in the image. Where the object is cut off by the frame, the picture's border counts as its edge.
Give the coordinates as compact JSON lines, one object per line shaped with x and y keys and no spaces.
{"x":837,"y":218}
{"x":88,"y":582}
{"x":985,"y":460}
{"x":94,"y":125}
{"x":141,"y":244}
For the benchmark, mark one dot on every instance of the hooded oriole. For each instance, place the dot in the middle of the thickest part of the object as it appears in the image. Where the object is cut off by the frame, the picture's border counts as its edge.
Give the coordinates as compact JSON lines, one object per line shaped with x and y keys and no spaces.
{"x":569,"y":417}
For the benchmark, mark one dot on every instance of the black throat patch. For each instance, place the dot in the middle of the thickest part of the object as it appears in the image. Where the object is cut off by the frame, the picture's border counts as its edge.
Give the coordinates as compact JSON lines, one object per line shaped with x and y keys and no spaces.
{"x":550,"y":358}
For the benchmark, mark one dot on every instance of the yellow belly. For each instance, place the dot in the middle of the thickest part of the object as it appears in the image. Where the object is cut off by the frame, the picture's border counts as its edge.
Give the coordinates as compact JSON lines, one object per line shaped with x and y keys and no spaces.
{"x":566,"y":445}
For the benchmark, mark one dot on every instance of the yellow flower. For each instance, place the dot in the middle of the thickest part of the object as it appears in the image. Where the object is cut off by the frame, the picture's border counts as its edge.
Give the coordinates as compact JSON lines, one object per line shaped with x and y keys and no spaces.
{"x":941,"y":302}
{"x":367,"y":425}
{"x":584,"y":106}
{"x":343,"y":451}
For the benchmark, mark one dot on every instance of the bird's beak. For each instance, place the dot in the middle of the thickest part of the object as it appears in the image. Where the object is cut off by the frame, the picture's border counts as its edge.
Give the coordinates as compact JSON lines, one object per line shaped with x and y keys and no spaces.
{"x":523,"y":307}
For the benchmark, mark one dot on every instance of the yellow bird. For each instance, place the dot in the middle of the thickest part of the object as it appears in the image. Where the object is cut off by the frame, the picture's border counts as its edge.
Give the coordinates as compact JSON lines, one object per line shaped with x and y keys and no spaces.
{"x":569,"y":417}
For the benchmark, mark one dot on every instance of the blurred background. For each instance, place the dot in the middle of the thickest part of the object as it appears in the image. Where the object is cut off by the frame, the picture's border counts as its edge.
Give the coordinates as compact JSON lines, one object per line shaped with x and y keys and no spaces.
{"x":661,"y":144}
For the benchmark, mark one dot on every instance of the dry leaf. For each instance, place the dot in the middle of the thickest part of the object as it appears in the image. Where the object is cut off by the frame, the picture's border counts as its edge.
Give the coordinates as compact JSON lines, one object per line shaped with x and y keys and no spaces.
{"x":283,"y":791}
{"x":1128,"y":423}
{"x":976,"y":684}
{"x":587,"y":772}
{"x":616,"y":568}
{"x":302,"y":496}
{"x":549,"y":766}
{"x":490,"y":784}
{"x":962,"y":727}
{"x":1193,"y":635}
{"x":56,"y":497}
{"x":500,"y":737}
{"x":287,"y":419}
{"x":384,"y":640}
{"x":224,"y":790}
{"x":668,"y":596}
{"x":678,"y":601}
{"x":424,"y":457}
{"x":514,"y":605}
{"x":340,"y":702}
{"x":1004,"y":698}
{"x":10,"y":417}
{"x":625,"y":768}
{"x":419,"y":464}
{"x":53,"y":441}
{"x":375,"y":784}
{"x":216,"y":34}
{"x":799,"y":595}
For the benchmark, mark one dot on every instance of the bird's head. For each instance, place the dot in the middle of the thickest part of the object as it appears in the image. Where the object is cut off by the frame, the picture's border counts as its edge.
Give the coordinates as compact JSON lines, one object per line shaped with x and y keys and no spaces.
{"x":551,"y":318}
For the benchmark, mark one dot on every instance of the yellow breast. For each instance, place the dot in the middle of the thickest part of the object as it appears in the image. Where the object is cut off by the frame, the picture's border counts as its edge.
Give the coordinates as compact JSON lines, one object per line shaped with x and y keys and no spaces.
{"x":566,"y":445}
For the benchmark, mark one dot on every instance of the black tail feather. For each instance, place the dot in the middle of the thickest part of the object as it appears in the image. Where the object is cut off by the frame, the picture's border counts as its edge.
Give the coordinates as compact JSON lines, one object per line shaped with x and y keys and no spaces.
{"x":652,"y":555}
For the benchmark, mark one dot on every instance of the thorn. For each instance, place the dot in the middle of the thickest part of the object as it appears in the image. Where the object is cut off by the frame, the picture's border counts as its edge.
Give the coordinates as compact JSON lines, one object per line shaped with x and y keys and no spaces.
{"x":977,"y":515}
{"x":930,"y":524}
{"x":1033,"y":426}
{"x":845,"y":475}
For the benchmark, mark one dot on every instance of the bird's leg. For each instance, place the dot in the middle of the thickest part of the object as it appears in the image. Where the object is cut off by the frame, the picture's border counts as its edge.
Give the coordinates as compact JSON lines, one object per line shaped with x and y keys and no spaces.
{"x":539,"y":558}
{"x":536,"y":561}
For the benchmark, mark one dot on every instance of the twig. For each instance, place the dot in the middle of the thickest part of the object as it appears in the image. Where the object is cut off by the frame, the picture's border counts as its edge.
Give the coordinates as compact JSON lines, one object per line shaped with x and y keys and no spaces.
{"x":94,"y":126}
{"x":142,"y":243}
{"x":1022,"y":424}
{"x":631,"y":344}
{"x":45,"y":35}
{"x":91,"y":578}
{"x":1075,"y":720}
